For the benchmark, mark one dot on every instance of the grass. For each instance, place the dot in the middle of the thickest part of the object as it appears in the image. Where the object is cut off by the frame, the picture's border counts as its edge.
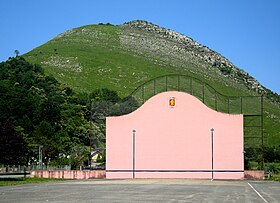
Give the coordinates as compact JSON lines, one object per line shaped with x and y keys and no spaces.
{"x":20,"y":181}
{"x":107,"y":63}
{"x":275,"y":177}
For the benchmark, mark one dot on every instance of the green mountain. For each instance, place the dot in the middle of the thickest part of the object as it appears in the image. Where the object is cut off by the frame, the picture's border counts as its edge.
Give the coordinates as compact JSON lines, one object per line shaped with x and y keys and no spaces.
{"x":123,"y":57}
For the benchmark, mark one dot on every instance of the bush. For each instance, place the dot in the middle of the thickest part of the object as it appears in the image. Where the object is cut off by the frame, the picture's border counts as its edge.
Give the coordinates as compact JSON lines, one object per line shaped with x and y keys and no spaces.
{"x":275,"y":166}
{"x":101,"y":158}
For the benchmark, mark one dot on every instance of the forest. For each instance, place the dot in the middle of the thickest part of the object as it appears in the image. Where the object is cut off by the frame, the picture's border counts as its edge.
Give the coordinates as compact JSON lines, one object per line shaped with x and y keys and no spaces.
{"x":36,"y":110}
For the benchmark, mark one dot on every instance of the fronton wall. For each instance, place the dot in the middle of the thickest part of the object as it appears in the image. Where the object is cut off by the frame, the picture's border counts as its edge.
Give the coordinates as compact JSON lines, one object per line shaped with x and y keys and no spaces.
{"x":163,"y":141}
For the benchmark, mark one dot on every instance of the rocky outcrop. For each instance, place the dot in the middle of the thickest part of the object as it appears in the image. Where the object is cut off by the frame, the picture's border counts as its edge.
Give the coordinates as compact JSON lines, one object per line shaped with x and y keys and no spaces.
{"x":187,"y":49}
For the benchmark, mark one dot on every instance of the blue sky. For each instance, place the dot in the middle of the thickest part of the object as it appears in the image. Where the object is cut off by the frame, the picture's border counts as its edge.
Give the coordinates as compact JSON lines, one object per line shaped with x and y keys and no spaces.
{"x":247,"y":32}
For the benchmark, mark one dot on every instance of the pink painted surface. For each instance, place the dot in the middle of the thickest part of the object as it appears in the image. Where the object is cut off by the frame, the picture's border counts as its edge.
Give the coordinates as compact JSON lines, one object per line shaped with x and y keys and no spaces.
{"x":174,"y":142}
{"x":254,"y":175}
{"x":73,"y":174}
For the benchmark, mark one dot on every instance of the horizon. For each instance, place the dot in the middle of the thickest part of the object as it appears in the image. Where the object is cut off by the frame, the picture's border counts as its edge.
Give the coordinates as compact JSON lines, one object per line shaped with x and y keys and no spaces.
{"x":246,"y":33}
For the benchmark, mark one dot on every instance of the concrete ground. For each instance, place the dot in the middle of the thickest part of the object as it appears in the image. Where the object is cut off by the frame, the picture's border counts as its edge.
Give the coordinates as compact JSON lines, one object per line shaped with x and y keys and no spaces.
{"x":144,"y":190}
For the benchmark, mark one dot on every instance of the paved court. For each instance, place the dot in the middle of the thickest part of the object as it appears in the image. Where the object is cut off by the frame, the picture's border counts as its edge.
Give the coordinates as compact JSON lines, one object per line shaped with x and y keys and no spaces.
{"x":144,"y":190}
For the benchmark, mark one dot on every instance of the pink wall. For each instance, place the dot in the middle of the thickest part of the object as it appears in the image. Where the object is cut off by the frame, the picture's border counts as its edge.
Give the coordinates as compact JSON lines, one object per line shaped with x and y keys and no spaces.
{"x":254,"y":175}
{"x":174,"y":142}
{"x":73,"y":174}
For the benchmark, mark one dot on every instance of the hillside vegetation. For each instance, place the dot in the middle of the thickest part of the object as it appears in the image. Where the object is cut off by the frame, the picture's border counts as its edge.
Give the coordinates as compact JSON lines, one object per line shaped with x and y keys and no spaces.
{"x":123,"y":57}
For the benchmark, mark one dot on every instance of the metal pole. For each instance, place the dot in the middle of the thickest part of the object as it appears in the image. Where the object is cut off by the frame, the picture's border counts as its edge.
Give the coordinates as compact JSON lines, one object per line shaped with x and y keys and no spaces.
{"x":24,"y":171}
{"x":166,"y":83}
{"x":154,"y":87}
{"x":203,"y":87}
{"x":178,"y":82}
{"x":191,"y":86}
{"x":262,"y":133}
{"x":241,"y":103}
{"x":228,"y":105}
{"x":133,"y":160}
{"x":212,"y":143}
{"x":90,"y":134}
{"x":40,"y":157}
{"x":216,"y":104}
{"x":143,"y":96}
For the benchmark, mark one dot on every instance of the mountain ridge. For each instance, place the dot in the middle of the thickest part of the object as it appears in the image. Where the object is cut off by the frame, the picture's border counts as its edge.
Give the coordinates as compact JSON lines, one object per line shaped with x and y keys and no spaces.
{"x":157,"y":45}
{"x":203,"y":52}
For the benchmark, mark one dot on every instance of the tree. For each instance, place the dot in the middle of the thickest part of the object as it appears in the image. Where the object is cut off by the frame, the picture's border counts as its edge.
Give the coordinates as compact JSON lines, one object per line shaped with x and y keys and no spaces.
{"x":51,"y":114}
{"x":17,"y":52}
{"x":13,"y":148}
{"x":78,"y":157}
{"x":105,"y":94}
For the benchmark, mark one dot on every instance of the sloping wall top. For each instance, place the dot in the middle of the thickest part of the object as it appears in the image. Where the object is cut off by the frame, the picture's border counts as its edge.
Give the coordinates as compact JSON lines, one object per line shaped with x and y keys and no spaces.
{"x":174,"y":141}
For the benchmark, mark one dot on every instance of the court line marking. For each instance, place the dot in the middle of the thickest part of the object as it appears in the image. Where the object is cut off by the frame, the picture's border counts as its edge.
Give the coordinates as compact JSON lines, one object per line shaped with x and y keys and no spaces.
{"x":258,"y":193}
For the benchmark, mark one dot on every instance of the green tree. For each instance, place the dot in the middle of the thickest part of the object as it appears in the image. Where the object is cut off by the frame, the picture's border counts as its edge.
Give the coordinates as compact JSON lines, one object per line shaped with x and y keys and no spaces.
{"x":105,"y":94}
{"x":13,"y":149}
{"x":51,"y":114}
{"x":17,"y":52}
{"x":78,"y":157}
